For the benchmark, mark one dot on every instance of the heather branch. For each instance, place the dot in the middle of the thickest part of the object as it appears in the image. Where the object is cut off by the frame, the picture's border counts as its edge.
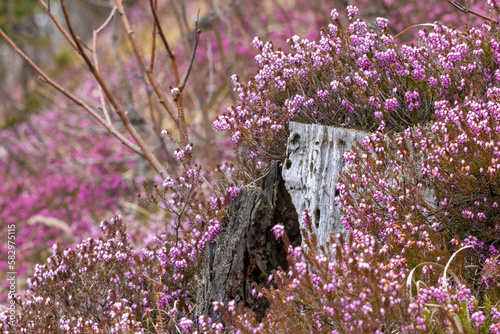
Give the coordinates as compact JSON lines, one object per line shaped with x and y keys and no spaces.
{"x":154,"y":83}
{"x":180,"y":106}
{"x":466,"y":10}
{"x":45,"y":78}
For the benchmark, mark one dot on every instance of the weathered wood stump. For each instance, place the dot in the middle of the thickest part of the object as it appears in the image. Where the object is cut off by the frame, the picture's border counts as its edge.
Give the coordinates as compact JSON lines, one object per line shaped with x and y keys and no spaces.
{"x":246,"y":250}
{"x":311,"y":172}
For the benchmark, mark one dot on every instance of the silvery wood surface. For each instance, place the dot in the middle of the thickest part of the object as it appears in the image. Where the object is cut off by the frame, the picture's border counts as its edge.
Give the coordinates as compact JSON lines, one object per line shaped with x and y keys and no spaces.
{"x":311,"y":172}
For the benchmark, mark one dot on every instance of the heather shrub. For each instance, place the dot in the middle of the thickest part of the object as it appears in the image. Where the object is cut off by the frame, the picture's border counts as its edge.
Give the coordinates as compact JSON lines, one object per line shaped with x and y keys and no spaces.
{"x":99,"y":286}
{"x":353,"y":286}
{"x":104,"y":285}
{"x":56,"y":190}
{"x":403,"y":188}
{"x":417,"y":194}
{"x":355,"y":77}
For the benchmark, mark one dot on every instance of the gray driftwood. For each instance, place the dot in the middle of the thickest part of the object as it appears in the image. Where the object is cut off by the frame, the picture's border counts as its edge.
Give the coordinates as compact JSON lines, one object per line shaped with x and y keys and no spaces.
{"x":312,"y":169}
{"x":246,"y":250}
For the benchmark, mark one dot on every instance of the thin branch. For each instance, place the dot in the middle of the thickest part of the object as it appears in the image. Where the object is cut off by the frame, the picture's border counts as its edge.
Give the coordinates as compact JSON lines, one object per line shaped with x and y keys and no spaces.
{"x":70,"y":96}
{"x":153,"y":161}
{"x":153,"y":42}
{"x":179,"y":99}
{"x":141,"y":147}
{"x":154,"y":83}
{"x":197,"y":33}
{"x":57,"y":23}
{"x":466,"y":9}
{"x":171,"y":55}
{"x":96,"y":61}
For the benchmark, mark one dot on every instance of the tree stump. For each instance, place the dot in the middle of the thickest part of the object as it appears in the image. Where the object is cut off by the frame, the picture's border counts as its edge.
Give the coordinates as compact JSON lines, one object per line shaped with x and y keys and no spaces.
{"x":311,"y":172}
{"x":246,"y":251}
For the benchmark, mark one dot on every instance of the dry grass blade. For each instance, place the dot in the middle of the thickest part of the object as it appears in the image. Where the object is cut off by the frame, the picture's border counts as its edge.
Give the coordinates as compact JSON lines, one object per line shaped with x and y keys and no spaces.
{"x":415,"y":26}
{"x":446,"y":269}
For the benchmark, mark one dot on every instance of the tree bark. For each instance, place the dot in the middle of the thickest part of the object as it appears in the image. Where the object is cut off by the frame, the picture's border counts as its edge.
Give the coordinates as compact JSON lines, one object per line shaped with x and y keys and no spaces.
{"x":246,"y":251}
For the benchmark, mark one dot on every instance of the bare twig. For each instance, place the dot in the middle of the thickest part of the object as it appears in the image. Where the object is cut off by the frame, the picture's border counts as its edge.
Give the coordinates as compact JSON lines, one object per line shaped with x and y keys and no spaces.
{"x":153,"y":161}
{"x":197,"y":33}
{"x":96,"y":61}
{"x":70,"y":96}
{"x":154,"y":6}
{"x":57,"y":23}
{"x":141,"y":147}
{"x":466,"y":9}
{"x":147,"y":70}
{"x":171,"y":55}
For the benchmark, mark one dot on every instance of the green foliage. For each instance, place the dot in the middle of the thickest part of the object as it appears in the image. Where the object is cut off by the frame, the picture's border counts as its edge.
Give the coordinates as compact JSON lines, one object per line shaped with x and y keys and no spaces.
{"x":11,"y":11}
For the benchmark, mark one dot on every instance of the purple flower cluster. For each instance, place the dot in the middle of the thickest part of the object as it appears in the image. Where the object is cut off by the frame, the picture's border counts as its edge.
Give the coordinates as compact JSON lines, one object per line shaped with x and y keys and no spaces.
{"x":356,"y":77}
{"x":56,"y":189}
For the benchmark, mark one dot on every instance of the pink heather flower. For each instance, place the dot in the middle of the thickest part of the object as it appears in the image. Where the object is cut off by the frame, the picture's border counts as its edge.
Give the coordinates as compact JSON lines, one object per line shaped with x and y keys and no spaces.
{"x":478,"y":317}
{"x":236,"y":137}
{"x":257,"y":43}
{"x":391,"y":104}
{"x":231,"y":306}
{"x":352,"y":11}
{"x":179,"y":154}
{"x":185,"y":324}
{"x":217,"y":305}
{"x":382,"y":23}
{"x":491,"y":3}
{"x":232,"y":192}
{"x":168,"y":183}
{"x":306,"y":217}
{"x":175,"y":92}
{"x":278,"y":231}
{"x":334,"y":14}
{"x":495,"y":328}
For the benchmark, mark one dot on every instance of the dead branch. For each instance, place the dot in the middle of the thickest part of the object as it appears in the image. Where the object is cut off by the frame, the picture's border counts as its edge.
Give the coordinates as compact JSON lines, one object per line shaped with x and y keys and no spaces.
{"x":467,"y":10}
{"x":158,"y":167}
{"x":197,"y":33}
{"x":171,"y":55}
{"x":57,"y":23}
{"x":153,"y":42}
{"x":96,"y":61}
{"x":70,"y":96}
{"x":152,"y":80}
